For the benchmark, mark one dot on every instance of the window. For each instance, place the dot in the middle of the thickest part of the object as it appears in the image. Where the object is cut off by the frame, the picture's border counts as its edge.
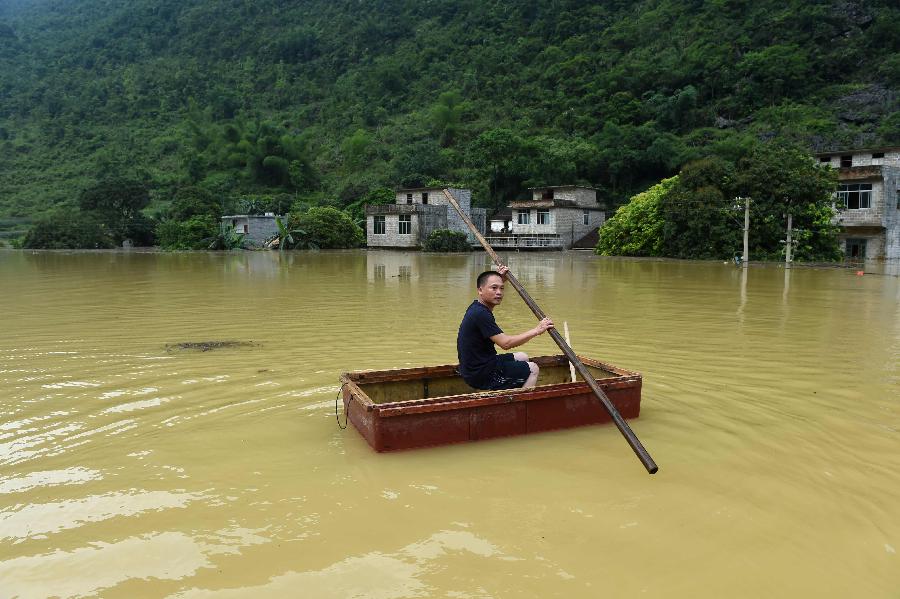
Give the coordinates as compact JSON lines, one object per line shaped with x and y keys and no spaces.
{"x":547,"y":194}
{"x":524,"y":217}
{"x":855,"y":196}
{"x":877,"y":154}
{"x":898,"y":199}
{"x":846,"y":161}
{"x":586,"y":217}
{"x":424,"y":197}
{"x":543,"y":217}
{"x":378,"y":227}
{"x":404,"y":227}
{"x":825,"y":159}
{"x":246,"y":229}
{"x":409,"y":198}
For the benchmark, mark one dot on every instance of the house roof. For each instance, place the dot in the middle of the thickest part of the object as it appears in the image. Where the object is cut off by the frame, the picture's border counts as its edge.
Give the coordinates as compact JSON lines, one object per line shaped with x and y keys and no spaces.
{"x":272,"y":216}
{"x":858,"y":151}
{"x":402,"y":189}
{"x":554,"y":203}
{"x":562,"y":187}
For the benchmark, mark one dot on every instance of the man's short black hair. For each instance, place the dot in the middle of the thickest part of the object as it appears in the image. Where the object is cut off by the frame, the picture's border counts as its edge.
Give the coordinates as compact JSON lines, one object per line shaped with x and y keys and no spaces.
{"x":479,"y":282}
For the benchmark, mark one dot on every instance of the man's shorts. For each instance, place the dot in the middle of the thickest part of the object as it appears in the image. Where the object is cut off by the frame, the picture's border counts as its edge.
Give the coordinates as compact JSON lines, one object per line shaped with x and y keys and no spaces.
{"x":508,"y":373}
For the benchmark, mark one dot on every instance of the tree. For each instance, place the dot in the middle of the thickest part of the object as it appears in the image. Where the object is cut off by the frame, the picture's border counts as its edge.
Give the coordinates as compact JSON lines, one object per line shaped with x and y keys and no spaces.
{"x":500,"y":155}
{"x":416,"y":163}
{"x":117,"y":203}
{"x":782,"y":180}
{"x":699,"y":213}
{"x":774,"y":72}
{"x":636,"y":229}
{"x":65,"y":229}
{"x":329,"y":228}
{"x":355,"y":147}
{"x":191,"y":200}
{"x":196,"y":233}
{"x":446,"y":114}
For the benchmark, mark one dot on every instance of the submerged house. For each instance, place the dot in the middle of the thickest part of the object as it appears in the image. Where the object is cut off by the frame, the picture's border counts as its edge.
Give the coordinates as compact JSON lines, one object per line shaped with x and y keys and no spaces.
{"x":868,"y":201}
{"x":415,"y":213}
{"x":256,"y":228}
{"x":554,"y":218}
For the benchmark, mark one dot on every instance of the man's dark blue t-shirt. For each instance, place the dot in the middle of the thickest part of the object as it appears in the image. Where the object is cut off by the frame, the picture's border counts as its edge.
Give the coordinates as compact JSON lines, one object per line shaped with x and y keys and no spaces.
{"x":477,"y":356}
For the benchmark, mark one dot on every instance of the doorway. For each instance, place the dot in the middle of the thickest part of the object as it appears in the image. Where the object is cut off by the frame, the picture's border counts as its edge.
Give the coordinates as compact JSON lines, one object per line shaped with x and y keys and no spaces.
{"x":855,"y":249}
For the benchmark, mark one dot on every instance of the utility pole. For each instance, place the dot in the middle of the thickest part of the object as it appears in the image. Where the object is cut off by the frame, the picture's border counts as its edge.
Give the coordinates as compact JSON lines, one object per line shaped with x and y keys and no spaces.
{"x":787,"y":245}
{"x":746,"y":258}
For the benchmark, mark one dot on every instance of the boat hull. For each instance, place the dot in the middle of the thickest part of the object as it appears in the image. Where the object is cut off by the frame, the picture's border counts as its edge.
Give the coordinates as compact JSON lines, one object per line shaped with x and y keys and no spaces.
{"x":420,"y":407}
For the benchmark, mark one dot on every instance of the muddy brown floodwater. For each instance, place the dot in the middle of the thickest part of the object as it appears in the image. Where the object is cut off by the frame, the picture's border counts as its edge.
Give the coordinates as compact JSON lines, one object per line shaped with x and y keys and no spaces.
{"x":133,"y":466}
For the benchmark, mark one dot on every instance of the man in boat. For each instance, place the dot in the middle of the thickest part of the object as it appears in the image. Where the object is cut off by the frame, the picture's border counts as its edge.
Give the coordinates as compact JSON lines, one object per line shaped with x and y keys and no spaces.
{"x":479,"y":364}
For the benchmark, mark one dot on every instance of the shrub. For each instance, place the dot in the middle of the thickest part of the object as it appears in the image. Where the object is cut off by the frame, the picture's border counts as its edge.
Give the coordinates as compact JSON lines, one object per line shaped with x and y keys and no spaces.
{"x":329,"y":228}
{"x":68,"y":230}
{"x":637,"y":227}
{"x":445,"y":240}
{"x":195,"y":233}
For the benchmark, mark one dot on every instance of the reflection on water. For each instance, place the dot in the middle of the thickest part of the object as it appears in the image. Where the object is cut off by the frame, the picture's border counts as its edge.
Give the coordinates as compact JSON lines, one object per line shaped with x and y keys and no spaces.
{"x":770,"y":402}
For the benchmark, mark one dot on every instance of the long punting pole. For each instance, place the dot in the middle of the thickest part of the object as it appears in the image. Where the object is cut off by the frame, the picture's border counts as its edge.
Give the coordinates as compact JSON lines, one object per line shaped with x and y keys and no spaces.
{"x":623,"y":427}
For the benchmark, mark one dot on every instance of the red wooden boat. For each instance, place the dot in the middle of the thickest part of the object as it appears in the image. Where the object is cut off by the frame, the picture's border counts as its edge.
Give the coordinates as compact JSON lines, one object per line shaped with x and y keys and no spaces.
{"x":417,"y":407}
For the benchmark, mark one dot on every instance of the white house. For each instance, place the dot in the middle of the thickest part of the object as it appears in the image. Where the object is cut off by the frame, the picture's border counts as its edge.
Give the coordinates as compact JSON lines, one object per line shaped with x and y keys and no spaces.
{"x":554,"y":218}
{"x":417,"y":212}
{"x":868,"y":201}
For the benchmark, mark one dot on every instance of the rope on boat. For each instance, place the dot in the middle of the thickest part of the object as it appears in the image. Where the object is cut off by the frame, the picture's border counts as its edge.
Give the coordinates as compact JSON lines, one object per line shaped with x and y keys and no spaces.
{"x":336,"y":414}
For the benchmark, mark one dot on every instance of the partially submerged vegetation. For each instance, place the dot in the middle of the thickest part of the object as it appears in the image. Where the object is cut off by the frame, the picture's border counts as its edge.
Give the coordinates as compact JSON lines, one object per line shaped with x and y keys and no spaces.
{"x":205,"y":346}
{"x":446,"y":240}
{"x":700,"y":212}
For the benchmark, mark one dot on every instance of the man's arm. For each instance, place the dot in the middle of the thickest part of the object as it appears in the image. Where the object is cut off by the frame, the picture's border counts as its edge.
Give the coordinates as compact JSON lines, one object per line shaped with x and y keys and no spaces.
{"x":510,"y":341}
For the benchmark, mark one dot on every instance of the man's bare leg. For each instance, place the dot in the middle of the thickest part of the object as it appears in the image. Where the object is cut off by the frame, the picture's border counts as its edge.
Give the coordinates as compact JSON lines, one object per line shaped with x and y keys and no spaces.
{"x":531,"y":381}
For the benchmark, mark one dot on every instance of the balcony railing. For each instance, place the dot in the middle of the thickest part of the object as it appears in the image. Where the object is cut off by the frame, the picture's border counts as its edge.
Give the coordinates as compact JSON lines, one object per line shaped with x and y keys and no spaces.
{"x":404,"y":208}
{"x":526,"y":241}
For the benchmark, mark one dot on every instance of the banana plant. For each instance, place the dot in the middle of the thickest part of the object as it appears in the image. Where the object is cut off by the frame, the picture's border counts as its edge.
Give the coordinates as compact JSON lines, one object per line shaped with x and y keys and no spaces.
{"x":291,"y":238}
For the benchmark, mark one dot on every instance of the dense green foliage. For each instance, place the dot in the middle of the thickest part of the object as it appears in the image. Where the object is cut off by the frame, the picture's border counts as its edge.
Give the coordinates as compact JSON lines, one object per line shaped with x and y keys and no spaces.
{"x":700,"y":213}
{"x":66,"y":230}
{"x":227,"y":239}
{"x":327,"y":102}
{"x":107,"y":215}
{"x":117,"y":203}
{"x":195,"y":233}
{"x":445,"y":240}
{"x":636,"y":229}
{"x":325,"y":227}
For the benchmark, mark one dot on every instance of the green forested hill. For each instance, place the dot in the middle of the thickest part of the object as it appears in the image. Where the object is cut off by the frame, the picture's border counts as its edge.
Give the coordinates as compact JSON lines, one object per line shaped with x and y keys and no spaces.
{"x":331,"y":101}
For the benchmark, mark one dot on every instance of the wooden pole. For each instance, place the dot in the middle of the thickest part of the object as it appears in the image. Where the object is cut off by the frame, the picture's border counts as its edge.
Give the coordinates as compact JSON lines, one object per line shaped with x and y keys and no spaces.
{"x":746,"y":258}
{"x":582,"y":370}
{"x":787,"y":245}
{"x":569,"y":341}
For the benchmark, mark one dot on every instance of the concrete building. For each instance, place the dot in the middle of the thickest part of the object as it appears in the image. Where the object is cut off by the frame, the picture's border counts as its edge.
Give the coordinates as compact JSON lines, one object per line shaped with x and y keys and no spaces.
{"x":868,"y":201}
{"x":501,"y":221}
{"x":257,"y":228}
{"x":409,"y":221}
{"x":554,"y":218}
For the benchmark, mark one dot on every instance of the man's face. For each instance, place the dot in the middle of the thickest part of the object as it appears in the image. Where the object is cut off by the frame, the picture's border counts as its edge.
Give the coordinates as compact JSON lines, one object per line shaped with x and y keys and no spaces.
{"x":491,"y":292}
